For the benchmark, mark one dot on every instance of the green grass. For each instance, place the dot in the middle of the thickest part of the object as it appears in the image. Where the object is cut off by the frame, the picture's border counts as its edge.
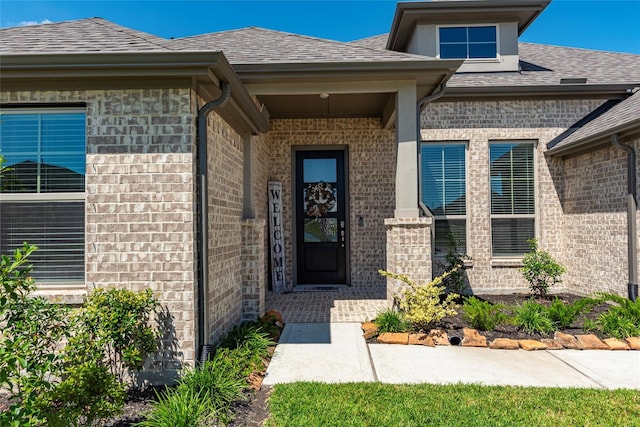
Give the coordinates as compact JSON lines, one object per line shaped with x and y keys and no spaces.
{"x":375,"y":404}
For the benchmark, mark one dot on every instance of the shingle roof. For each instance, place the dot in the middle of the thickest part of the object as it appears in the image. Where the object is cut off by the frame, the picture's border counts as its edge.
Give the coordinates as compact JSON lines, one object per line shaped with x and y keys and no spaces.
{"x":621,"y":115}
{"x":546,"y":65}
{"x":80,"y":36}
{"x":254,"y":45}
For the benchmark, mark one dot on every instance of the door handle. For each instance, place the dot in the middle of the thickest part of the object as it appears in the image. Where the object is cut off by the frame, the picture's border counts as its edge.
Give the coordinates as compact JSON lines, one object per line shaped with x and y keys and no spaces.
{"x":342,"y":233}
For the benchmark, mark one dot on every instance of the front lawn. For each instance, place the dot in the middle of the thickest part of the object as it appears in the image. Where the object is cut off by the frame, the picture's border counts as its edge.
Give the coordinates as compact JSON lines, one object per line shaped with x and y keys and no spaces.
{"x":375,"y":404}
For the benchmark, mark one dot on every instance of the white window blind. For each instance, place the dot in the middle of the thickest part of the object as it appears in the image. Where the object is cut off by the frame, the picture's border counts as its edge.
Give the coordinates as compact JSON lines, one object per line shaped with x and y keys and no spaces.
{"x":512,"y":197}
{"x":444,"y":193}
{"x":42,"y":194}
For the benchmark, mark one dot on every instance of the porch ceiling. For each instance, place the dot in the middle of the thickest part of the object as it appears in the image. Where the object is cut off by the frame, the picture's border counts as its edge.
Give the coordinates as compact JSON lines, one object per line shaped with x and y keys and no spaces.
{"x":333,"y":106}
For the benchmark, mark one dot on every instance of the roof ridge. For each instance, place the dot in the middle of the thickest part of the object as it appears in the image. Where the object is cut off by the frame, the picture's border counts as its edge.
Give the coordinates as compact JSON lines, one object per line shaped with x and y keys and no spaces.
{"x":583,"y":49}
{"x":134,"y":33}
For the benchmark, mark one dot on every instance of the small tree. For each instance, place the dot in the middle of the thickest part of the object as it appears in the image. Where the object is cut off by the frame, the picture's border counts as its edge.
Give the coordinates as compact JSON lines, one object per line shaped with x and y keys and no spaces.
{"x":424,"y":305}
{"x":540,"y":269}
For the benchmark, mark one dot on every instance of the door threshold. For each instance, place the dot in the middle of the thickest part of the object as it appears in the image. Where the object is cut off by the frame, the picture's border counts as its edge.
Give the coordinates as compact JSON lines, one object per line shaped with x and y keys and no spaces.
{"x":319,"y":288}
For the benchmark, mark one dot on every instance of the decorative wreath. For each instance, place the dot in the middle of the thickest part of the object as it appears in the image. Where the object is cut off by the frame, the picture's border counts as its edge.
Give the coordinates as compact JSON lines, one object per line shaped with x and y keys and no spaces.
{"x":319,"y":199}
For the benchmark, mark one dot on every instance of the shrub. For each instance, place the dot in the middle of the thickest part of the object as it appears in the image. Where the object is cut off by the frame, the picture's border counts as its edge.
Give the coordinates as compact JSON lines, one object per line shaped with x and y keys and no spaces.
{"x":391,"y":321}
{"x":424,"y":305}
{"x":454,"y":282}
{"x":621,"y":320}
{"x":563,"y":315}
{"x":248,"y":344}
{"x":483,"y":315}
{"x":179,"y":408}
{"x":533,"y":317}
{"x":540,"y":269}
{"x":33,"y":329}
{"x":115,"y":326}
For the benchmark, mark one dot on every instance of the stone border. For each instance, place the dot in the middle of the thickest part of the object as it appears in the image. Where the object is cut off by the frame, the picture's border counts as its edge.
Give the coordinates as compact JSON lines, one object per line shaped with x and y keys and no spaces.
{"x":473,"y":338}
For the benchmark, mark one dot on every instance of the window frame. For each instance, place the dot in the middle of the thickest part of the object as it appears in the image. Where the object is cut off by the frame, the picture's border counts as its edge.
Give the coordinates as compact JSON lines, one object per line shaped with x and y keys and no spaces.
{"x":423,"y":206}
{"x":534,"y":216}
{"x":467,"y":26}
{"x":44,"y":197}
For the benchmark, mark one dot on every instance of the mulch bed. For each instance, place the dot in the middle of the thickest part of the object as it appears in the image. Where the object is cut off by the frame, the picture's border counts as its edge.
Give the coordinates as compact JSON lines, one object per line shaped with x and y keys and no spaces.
{"x":453,"y":325}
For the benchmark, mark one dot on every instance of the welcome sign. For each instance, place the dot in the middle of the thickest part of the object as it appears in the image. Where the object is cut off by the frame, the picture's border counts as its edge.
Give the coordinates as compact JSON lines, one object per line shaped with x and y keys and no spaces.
{"x":276,"y":237}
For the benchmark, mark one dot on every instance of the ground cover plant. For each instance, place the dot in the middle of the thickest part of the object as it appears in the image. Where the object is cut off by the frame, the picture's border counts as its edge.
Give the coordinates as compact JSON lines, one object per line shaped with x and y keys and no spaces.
{"x":205,"y":395}
{"x":483,"y":315}
{"x":375,"y":404}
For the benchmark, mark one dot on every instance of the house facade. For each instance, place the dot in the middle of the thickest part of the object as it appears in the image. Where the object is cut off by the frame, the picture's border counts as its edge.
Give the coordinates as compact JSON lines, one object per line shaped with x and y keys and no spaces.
{"x":145,"y":162}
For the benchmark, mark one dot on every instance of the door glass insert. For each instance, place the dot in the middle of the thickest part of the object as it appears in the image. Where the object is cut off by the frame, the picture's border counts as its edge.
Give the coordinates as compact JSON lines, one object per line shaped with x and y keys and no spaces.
{"x":321,"y":230}
{"x":317,"y":170}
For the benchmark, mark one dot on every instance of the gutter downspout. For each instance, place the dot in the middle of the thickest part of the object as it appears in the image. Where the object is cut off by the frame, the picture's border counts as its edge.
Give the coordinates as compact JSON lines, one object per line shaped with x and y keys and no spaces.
{"x":632,"y":208}
{"x":422,"y":102}
{"x":202,"y":227}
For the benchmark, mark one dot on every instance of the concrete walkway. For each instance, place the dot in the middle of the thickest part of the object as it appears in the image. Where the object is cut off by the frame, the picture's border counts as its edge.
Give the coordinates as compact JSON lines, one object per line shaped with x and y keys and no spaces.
{"x":336,"y":352}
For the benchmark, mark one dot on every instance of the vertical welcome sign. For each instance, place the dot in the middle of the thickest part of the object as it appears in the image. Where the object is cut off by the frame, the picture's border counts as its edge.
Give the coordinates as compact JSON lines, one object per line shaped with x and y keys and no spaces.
{"x":276,"y":236}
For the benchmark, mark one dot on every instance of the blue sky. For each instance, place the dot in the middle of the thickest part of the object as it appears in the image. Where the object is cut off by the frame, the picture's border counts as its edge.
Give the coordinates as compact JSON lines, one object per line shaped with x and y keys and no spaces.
{"x":593,"y":24}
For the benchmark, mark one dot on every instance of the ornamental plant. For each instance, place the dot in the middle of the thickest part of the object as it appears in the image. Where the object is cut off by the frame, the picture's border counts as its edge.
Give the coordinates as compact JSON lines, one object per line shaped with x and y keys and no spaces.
{"x":424,"y":305}
{"x":483,"y":315}
{"x":540,"y":270}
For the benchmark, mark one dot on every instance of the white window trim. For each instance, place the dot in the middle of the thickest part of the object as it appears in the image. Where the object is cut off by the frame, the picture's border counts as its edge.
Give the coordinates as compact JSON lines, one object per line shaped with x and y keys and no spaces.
{"x":503,"y":260}
{"x":474,"y":60}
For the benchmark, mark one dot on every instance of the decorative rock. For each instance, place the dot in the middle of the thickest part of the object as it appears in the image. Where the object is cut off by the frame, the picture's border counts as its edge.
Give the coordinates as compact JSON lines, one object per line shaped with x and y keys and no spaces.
{"x":504,"y":344}
{"x":531,"y":345}
{"x":568,"y":341}
{"x":421,"y":339}
{"x":439,"y":337}
{"x":472,"y":338}
{"x":393,"y":338}
{"x":369,"y":330}
{"x":551,"y":344}
{"x":634,"y":343}
{"x":616,"y":344}
{"x":591,"y":342}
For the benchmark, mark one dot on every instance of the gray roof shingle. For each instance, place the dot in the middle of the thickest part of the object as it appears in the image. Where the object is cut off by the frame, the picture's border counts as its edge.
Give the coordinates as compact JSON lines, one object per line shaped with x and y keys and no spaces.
{"x":625,"y":113}
{"x":80,"y":36}
{"x":254,"y":45}
{"x":545,"y":65}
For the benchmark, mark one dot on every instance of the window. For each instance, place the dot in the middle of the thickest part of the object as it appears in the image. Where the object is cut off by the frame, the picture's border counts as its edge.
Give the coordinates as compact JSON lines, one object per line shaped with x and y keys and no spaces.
{"x":443,"y":190}
{"x":468,"y":42}
{"x":512,"y":197}
{"x":42,"y":195}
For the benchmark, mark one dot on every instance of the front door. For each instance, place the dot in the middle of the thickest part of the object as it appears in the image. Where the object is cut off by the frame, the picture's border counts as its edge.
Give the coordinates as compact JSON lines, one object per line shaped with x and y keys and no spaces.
{"x":321,"y":232}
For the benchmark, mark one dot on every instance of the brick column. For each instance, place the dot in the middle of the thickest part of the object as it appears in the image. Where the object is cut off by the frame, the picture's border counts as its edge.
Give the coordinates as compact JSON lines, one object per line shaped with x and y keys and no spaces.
{"x":408,"y":251}
{"x":253,"y":268}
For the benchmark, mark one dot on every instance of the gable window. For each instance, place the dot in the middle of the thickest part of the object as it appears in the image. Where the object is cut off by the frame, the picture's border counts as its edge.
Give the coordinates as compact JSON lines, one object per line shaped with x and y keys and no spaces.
{"x":478,"y":42}
{"x":443,"y":191}
{"x":512,"y":197}
{"x":42,"y":195}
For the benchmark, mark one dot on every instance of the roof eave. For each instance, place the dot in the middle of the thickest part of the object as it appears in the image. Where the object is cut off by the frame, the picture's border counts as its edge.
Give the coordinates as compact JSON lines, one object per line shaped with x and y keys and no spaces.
{"x":202,"y":70}
{"x":608,"y":91}
{"x":594,"y":141}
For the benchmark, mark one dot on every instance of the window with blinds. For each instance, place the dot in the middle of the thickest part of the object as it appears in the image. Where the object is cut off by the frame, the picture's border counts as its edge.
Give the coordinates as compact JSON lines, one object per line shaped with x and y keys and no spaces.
{"x":512,"y":197}
{"x":42,"y":192}
{"x":443,"y":190}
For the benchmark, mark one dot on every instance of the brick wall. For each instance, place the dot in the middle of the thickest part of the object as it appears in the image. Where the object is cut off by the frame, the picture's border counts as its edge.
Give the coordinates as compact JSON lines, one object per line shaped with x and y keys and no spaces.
{"x":371,"y":165}
{"x":479,"y":122}
{"x":225,"y":237}
{"x":139,"y":201}
{"x":595,"y":221}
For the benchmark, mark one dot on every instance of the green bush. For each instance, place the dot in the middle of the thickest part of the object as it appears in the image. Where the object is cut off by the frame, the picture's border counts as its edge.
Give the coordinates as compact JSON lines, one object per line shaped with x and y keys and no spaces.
{"x":563,"y":315}
{"x":179,"y":408}
{"x":454,"y":282}
{"x":533,"y":317}
{"x":115,"y":326}
{"x":391,"y":321}
{"x":33,"y":330}
{"x":424,"y":305}
{"x":483,"y":315}
{"x":621,"y":320}
{"x":540,"y":269}
{"x":247,"y":345}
